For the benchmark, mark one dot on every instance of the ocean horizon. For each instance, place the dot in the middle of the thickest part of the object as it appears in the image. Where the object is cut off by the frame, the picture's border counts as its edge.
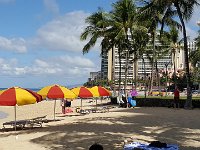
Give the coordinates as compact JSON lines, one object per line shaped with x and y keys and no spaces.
{"x":37,"y":89}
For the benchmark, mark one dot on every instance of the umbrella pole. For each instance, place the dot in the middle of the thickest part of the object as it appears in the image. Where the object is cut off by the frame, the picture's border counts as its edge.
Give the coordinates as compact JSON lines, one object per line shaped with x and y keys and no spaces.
{"x":54,"y":109}
{"x":81,"y":103}
{"x":96,"y":103}
{"x":15,"y":119}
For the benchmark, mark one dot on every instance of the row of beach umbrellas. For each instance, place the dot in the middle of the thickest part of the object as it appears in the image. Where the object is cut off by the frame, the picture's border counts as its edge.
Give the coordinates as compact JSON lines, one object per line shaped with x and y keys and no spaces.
{"x":20,"y":96}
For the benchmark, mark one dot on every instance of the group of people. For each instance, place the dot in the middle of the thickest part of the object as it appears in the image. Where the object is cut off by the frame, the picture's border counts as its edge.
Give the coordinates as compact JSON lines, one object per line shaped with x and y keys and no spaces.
{"x":65,"y":104}
{"x":126,"y":101}
{"x":123,"y":102}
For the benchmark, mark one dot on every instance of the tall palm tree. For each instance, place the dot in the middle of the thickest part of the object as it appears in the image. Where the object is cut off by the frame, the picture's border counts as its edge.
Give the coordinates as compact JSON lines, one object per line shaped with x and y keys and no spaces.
{"x":97,"y":23}
{"x":123,"y":14}
{"x":194,"y":59}
{"x":151,"y":16}
{"x":175,"y":47}
{"x":184,"y":10}
{"x":195,"y":55}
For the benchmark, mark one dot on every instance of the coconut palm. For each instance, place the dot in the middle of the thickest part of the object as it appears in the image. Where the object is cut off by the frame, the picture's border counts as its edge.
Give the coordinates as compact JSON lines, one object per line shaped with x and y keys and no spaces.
{"x":97,"y":23}
{"x":123,"y":15}
{"x":195,"y":55}
{"x":151,"y":16}
{"x":184,"y":10}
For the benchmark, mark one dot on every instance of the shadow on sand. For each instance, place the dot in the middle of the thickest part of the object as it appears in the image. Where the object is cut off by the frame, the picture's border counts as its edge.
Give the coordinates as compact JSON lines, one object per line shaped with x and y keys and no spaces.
{"x":138,"y":123}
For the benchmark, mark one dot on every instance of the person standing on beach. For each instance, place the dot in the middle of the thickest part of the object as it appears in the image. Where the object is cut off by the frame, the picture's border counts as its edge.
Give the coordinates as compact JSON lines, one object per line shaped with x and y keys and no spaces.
{"x":176,"y":97}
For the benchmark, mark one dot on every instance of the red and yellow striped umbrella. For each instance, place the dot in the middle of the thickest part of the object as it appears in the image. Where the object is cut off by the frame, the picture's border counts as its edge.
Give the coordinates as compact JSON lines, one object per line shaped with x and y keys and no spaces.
{"x":99,"y":91}
{"x":56,"y":92}
{"x":18,"y":96}
{"x":82,"y":92}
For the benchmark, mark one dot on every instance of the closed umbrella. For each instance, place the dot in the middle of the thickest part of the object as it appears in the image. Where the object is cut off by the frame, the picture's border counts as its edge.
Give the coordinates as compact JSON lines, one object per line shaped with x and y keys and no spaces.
{"x":18,"y":96}
{"x":56,"y":92}
{"x":82,"y":92}
{"x":99,"y":91}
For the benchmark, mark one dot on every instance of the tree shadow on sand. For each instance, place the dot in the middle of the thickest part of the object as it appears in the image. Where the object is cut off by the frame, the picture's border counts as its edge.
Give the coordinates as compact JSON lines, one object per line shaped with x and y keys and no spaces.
{"x":142,"y":124}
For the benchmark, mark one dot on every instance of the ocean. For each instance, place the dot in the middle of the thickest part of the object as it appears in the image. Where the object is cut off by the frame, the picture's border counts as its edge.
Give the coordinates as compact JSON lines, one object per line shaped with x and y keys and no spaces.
{"x":33,"y":89}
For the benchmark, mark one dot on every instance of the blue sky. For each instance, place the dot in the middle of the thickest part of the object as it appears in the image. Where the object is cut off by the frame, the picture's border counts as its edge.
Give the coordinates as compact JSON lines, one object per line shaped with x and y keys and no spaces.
{"x":39,"y":41}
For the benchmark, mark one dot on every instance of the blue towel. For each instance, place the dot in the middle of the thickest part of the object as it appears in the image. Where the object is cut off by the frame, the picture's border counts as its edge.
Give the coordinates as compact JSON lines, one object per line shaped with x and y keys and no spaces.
{"x":131,"y":102}
{"x":147,"y":147}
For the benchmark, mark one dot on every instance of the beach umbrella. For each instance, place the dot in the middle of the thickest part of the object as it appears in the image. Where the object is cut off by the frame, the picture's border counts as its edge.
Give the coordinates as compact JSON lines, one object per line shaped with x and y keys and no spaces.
{"x":18,"y":96}
{"x":99,"y":91}
{"x":82,"y":92}
{"x":56,"y":92}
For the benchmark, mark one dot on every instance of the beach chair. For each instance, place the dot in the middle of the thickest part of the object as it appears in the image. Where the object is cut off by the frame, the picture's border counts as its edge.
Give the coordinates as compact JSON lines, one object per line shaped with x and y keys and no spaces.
{"x":84,"y":112}
{"x":19,"y":124}
{"x":38,"y":121}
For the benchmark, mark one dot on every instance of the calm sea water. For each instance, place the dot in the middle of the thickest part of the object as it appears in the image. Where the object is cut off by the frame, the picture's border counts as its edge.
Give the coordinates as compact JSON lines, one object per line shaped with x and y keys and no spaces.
{"x":33,"y":89}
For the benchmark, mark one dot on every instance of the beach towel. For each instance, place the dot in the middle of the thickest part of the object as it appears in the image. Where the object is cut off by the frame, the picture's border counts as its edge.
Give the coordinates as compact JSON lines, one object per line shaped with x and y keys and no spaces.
{"x":138,"y":145}
{"x":68,"y":110}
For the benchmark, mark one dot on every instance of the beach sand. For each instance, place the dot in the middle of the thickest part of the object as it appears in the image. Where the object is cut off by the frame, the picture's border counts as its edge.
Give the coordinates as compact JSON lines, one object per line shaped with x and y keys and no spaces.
{"x":111,"y":129}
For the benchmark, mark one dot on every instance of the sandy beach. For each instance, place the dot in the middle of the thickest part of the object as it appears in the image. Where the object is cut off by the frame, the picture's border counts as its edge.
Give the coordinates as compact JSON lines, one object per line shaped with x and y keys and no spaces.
{"x":111,"y":129}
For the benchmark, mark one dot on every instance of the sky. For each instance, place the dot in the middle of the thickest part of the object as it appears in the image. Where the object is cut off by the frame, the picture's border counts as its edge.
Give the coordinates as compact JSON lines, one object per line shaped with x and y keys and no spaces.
{"x":40,"y":41}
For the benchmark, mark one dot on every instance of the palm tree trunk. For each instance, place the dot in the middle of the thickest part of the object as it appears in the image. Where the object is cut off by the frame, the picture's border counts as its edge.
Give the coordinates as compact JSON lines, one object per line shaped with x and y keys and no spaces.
{"x":120,"y":70}
{"x":126,"y":73}
{"x":113,"y":71}
{"x":158,"y":77}
{"x":153,"y":63}
{"x":145,"y":78}
{"x":135,"y":71}
{"x":188,"y":103}
{"x":174,"y":62}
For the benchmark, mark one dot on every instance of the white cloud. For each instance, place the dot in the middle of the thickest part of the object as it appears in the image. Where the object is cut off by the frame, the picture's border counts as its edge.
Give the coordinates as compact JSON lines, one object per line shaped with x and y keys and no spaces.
{"x":63,"y":33}
{"x":57,"y":66}
{"x":51,"y":6}
{"x":192,"y":26}
{"x":13,"y":44}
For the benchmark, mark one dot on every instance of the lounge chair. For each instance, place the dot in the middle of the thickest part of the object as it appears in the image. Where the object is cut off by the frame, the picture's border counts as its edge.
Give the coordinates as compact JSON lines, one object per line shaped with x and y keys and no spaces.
{"x":37,"y":121}
{"x":21,"y":124}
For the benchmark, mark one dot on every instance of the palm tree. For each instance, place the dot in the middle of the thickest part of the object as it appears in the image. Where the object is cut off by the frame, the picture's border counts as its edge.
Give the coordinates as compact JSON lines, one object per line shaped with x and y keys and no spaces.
{"x":194,"y":59}
{"x":174,"y":48}
{"x":123,"y":15}
{"x":97,"y":23}
{"x":184,"y":10}
{"x":195,"y":55}
{"x":152,"y":15}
